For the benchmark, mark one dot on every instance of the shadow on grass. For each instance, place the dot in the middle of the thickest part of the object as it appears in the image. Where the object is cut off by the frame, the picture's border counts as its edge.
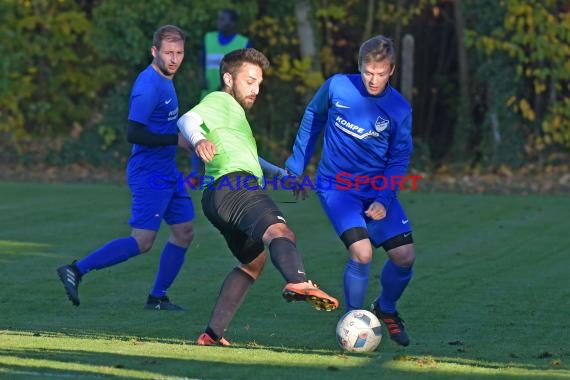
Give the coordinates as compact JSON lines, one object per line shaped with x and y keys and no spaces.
{"x":237,"y":362}
{"x":81,"y":364}
{"x":42,"y":362}
{"x":179,"y":342}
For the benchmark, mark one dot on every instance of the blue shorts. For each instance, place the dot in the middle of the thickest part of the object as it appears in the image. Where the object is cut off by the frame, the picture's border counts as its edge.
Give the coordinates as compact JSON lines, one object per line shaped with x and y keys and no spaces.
{"x":345,"y":210}
{"x":151,"y":203}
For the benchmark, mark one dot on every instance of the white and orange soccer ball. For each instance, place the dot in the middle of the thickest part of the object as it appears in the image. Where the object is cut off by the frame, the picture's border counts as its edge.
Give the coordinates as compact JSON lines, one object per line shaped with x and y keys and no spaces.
{"x":359,"y":331}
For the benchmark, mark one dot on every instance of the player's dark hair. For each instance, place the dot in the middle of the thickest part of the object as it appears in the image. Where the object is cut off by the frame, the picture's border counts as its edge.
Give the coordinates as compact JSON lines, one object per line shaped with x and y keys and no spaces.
{"x":169,"y":33}
{"x":376,"y":49}
{"x":232,"y":61}
{"x":232,"y":13}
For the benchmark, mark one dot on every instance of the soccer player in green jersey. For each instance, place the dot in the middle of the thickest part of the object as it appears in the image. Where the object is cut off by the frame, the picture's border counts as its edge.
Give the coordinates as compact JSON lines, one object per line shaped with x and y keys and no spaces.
{"x":234,"y":202}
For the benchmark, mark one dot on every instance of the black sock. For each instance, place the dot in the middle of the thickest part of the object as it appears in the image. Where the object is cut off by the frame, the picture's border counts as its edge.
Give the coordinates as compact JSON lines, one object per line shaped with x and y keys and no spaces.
{"x":287,"y":260}
{"x":231,"y":296}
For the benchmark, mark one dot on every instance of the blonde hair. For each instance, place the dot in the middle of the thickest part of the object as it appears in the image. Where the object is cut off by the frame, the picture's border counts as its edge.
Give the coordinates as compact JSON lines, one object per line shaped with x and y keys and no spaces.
{"x":376,"y":49}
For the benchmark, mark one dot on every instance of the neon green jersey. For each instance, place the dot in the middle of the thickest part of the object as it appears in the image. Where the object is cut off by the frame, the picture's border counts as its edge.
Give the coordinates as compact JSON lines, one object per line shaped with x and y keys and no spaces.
{"x":226,"y":126}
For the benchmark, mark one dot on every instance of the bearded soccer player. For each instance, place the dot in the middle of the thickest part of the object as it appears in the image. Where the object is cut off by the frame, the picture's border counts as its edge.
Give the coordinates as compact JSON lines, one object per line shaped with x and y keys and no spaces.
{"x":235,"y":203}
{"x":368,"y":132}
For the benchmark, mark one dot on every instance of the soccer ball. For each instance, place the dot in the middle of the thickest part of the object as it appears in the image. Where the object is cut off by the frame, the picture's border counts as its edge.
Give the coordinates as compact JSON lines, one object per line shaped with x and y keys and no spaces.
{"x":359,"y":331}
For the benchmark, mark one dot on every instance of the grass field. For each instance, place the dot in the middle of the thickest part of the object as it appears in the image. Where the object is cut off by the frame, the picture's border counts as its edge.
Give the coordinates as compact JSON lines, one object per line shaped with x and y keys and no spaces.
{"x":490,"y":298}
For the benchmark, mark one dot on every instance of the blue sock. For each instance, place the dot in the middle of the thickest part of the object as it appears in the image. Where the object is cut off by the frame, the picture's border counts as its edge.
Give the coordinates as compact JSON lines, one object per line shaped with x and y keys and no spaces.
{"x":355,"y":284}
{"x":112,"y":253}
{"x":171,"y":261}
{"x":394,"y":280}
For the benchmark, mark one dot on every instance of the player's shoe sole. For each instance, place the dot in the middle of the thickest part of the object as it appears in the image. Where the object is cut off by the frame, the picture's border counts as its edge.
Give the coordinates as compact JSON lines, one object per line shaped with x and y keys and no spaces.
{"x":310,"y":292}
{"x":70,"y":279}
{"x":206,"y":340}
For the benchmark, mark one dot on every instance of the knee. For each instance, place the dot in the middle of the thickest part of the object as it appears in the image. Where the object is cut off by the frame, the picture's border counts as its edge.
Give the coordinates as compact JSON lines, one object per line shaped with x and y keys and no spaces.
{"x":361,"y":251}
{"x":361,"y":257}
{"x":186,"y":236}
{"x":145,"y":244}
{"x":403,"y":256}
{"x":278,"y":230}
{"x":182,"y":235}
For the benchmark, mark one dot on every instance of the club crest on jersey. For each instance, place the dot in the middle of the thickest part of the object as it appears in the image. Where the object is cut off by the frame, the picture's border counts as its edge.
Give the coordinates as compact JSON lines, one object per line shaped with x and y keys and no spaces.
{"x":381,"y":124}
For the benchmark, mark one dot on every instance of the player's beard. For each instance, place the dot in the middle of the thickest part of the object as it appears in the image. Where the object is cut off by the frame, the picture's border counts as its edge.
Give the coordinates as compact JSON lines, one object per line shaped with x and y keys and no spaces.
{"x":242,"y":100}
{"x":163,"y":68}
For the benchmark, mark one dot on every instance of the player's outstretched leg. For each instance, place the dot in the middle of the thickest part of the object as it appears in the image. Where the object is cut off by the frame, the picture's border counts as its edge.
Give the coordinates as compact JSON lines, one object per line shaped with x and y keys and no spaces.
{"x":309,"y":292}
{"x":287,"y":260}
{"x":70,"y":276}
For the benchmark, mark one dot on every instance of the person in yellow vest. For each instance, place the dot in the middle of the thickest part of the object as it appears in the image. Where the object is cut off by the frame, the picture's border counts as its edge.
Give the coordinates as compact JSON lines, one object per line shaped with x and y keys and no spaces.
{"x":216,"y":44}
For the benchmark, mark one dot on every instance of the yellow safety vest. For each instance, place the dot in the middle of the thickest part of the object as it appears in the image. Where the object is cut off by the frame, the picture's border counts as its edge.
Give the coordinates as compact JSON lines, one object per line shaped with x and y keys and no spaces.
{"x":214,"y":52}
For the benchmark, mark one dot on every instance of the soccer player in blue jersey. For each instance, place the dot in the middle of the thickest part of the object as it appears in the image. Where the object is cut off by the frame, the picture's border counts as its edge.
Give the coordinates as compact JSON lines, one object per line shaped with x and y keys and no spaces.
{"x":152,"y":129}
{"x":368,"y":132}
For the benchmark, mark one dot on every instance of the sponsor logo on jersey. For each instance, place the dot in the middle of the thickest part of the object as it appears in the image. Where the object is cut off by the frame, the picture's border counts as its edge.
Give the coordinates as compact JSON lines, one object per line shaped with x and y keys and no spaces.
{"x":173,"y":115}
{"x":354,"y":129}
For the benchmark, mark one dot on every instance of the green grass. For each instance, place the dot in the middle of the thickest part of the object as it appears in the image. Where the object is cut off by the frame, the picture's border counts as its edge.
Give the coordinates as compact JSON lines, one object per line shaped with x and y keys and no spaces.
{"x":490,"y":297}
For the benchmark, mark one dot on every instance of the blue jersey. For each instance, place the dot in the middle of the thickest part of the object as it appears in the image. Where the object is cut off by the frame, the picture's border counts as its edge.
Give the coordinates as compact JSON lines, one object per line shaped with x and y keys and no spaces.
{"x":365,"y":135}
{"x":154,"y":103}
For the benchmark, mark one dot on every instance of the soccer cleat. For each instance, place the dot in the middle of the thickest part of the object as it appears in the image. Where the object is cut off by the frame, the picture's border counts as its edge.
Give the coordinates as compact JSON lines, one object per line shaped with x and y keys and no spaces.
{"x":394,"y":324}
{"x":161,"y":303}
{"x":70,"y":277}
{"x":206,"y":340}
{"x":309,"y":292}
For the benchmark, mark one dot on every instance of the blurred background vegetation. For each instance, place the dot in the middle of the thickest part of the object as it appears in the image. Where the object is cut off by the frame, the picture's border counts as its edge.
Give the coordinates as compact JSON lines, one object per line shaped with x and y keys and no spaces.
{"x":491,"y":78}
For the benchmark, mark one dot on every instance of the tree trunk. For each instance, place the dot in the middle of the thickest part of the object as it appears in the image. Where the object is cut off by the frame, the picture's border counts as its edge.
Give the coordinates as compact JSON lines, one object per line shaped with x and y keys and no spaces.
{"x":464,"y":123}
{"x":369,"y":21}
{"x":407,"y":83}
{"x":395,"y":80}
{"x":306,"y":33}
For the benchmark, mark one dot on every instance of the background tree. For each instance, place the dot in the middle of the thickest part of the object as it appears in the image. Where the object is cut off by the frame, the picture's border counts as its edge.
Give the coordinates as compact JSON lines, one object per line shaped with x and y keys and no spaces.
{"x":491,"y":78}
{"x":51,"y":74}
{"x":527,"y":45}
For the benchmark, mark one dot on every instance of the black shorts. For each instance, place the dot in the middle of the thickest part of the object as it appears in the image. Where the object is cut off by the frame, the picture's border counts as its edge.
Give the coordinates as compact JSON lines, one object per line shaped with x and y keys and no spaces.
{"x":241,"y":215}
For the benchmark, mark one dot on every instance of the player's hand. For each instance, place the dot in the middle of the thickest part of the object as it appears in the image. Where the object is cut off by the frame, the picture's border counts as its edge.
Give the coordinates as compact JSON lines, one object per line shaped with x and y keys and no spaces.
{"x":206,"y":150}
{"x":299,"y":191}
{"x":376,"y":211}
